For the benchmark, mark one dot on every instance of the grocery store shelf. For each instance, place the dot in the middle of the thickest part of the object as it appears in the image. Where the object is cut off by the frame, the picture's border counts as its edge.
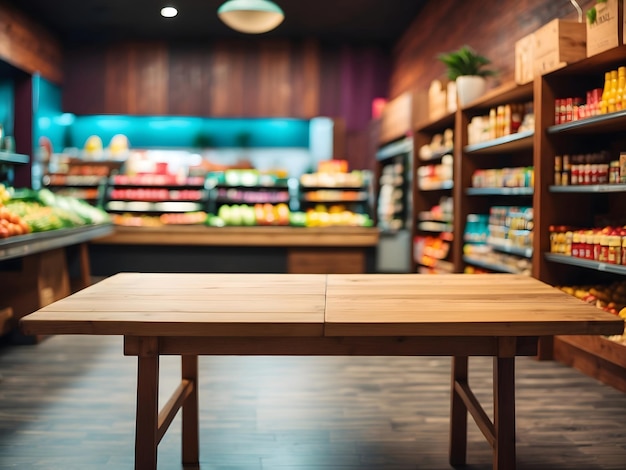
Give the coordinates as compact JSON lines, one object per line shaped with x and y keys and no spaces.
{"x":443,"y":186}
{"x":585,"y":263}
{"x":499,"y":191}
{"x":23,"y":245}
{"x":507,"y":93}
{"x":589,"y":188}
{"x":511,"y":250}
{"x":433,"y":226}
{"x":507,"y":143}
{"x":604,"y":123}
{"x":491,"y":266}
{"x":337,"y":200}
{"x":436,"y":124}
{"x":9,"y":157}
{"x":435,"y":267}
{"x":142,"y":206}
{"x":438,"y":154}
{"x":359,"y":188}
{"x":394,"y":149}
{"x":429,"y":216}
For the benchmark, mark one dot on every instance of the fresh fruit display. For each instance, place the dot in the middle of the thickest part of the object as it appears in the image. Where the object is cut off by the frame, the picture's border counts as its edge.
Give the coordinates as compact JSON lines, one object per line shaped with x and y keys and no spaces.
{"x":610,"y":298}
{"x":5,"y":194}
{"x":133,"y":220}
{"x":12,"y":224}
{"x":42,"y":211}
{"x":183,"y":218}
{"x":248,"y":215}
{"x":336,"y":215}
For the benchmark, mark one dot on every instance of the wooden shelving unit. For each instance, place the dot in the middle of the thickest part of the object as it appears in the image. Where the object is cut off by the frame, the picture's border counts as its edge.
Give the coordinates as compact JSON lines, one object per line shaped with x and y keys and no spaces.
{"x":599,"y":357}
{"x":551,"y":205}
{"x":513,"y":150}
{"x":427,"y":196}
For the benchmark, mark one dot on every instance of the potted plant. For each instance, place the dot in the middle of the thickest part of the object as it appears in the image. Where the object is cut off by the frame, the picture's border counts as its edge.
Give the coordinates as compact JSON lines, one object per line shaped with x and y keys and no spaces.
{"x":468,"y":69}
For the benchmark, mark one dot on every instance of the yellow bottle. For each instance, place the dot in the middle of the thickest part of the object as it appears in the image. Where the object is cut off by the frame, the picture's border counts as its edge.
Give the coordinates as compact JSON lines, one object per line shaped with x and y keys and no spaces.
{"x":621,"y":85}
{"x":604,"y":104}
{"x":613,"y":92}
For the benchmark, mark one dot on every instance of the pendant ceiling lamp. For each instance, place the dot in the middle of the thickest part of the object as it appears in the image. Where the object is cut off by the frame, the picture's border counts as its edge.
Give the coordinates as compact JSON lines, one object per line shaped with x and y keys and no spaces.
{"x":251,"y":16}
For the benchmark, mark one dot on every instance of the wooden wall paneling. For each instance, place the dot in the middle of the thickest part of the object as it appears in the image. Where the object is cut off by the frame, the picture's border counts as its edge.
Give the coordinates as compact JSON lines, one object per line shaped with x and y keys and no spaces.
{"x":250,"y":78}
{"x":274,"y":79}
{"x":189,"y":80}
{"x":357,"y":150}
{"x":149,"y":67}
{"x":118,"y":84}
{"x":136,"y":79}
{"x":492,"y":30}
{"x":305,"y":79}
{"x":330,"y":82}
{"x":84,"y":81}
{"x":226,"y":84}
{"x":28,"y":46}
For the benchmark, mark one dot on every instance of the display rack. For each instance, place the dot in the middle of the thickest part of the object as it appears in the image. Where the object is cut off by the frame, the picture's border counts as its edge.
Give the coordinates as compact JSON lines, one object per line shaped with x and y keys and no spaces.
{"x":432,"y":216}
{"x":501,"y":153}
{"x":155,"y":195}
{"x":82,"y":179}
{"x":599,"y":357}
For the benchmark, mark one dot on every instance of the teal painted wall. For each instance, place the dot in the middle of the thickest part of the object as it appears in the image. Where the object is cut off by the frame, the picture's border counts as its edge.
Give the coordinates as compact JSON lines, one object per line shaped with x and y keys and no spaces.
{"x":7,"y":102}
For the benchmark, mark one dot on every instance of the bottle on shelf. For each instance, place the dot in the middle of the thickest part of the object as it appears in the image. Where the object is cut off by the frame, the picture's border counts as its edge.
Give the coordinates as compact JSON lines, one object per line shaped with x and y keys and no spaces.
{"x":606,"y":91}
{"x":621,"y":86}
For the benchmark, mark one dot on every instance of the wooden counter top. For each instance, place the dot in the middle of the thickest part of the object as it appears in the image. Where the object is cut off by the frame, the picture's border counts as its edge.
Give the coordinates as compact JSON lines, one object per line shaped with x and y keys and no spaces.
{"x":243,"y":236}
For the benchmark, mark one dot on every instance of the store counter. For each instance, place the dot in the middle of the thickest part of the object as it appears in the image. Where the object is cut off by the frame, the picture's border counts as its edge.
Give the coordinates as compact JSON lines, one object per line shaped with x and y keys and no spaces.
{"x":269,"y":249}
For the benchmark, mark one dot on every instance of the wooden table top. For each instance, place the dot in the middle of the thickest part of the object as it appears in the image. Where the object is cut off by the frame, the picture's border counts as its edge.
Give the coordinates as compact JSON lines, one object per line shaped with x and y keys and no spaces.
{"x":149,"y":304}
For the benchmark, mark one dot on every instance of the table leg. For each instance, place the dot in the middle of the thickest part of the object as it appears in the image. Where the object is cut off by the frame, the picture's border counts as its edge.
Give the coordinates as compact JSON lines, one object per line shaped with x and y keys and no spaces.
{"x":504,"y":413}
{"x":146,"y":427}
{"x":458,"y":413}
{"x":190,"y":414}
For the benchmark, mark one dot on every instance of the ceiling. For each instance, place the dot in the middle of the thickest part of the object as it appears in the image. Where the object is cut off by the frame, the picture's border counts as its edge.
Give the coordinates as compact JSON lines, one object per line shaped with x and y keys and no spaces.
{"x":353,"y":21}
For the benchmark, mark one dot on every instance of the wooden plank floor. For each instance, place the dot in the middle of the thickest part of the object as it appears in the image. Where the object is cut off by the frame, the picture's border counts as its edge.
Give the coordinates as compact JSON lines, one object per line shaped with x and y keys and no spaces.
{"x":69,"y":403}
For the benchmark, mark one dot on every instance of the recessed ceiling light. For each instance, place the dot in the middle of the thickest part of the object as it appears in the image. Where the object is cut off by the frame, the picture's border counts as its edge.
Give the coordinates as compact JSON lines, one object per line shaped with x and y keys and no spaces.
{"x":169,"y":12}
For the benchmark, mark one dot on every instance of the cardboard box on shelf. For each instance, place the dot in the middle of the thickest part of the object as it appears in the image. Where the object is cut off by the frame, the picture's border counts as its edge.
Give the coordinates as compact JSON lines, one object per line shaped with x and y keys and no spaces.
{"x":558,"y":43}
{"x":437,"y":100}
{"x":607,"y":29}
{"x":524,"y":59}
{"x":396,"y":118}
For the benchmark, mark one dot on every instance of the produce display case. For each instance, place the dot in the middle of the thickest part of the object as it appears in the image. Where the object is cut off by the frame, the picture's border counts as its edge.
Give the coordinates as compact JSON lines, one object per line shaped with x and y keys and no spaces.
{"x":42,"y":236}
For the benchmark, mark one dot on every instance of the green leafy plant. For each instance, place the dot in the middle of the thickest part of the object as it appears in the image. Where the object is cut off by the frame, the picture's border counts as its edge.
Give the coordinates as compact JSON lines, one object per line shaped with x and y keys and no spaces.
{"x":592,"y":13}
{"x":465,"y":61}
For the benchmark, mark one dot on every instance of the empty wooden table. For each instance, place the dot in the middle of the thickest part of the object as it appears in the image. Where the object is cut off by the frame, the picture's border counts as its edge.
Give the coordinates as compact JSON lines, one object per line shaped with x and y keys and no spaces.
{"x":499,"y":315}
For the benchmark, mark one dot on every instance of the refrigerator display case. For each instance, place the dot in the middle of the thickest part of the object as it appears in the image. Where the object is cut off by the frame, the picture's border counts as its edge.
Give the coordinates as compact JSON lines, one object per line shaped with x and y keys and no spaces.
{"x":394,"y":206}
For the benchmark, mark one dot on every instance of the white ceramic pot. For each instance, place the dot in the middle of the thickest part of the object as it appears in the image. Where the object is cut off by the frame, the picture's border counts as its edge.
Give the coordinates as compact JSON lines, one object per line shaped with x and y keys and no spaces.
{"x":470,"y":88}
